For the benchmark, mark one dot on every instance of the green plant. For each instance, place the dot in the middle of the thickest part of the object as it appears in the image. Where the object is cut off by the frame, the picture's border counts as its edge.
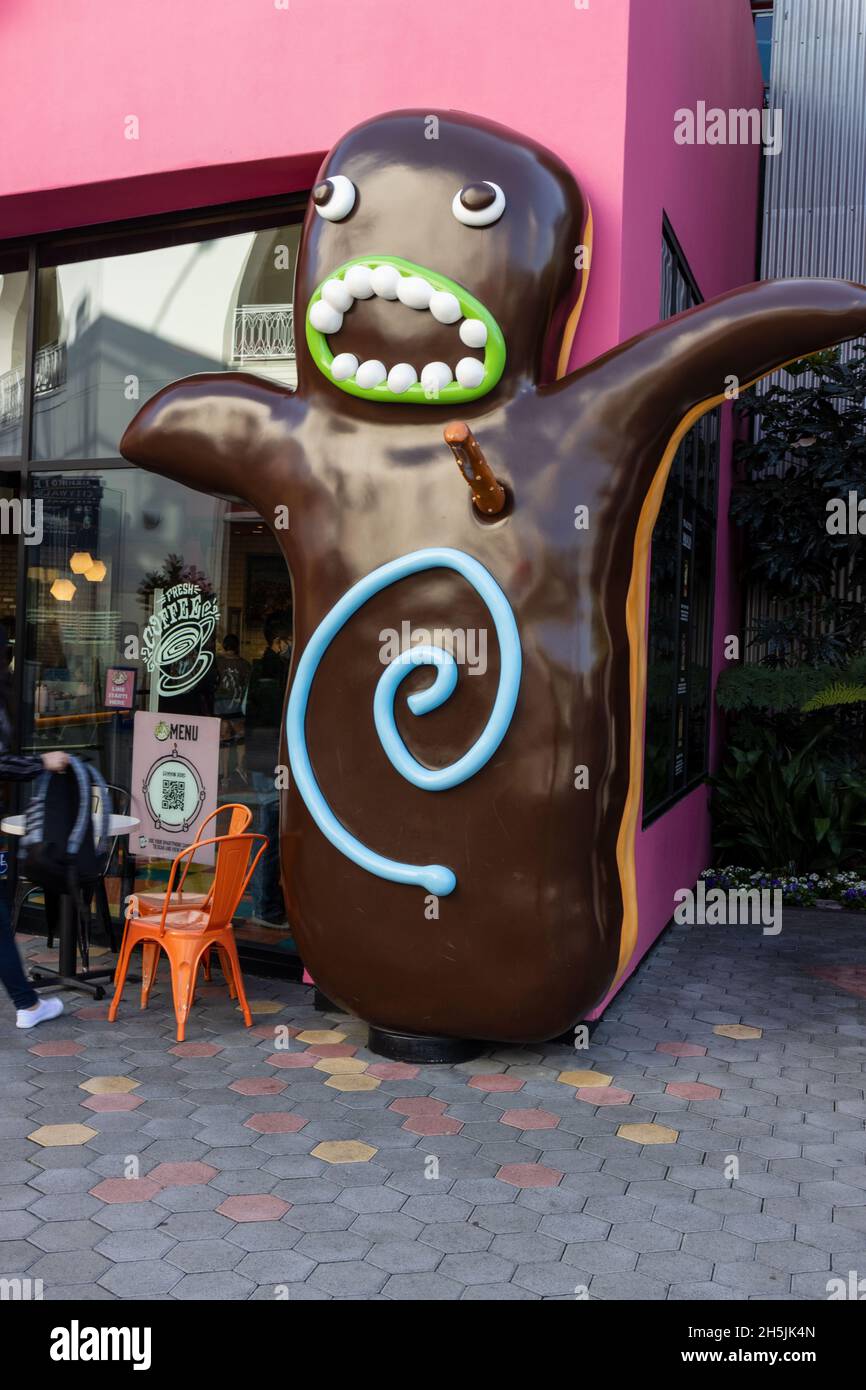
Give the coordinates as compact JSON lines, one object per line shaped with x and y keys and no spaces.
{"x":838,"y":693}
{"x":785,"y":811}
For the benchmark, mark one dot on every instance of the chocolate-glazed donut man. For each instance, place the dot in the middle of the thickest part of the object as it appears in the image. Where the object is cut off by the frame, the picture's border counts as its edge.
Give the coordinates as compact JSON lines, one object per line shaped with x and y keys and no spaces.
{"x":445,"y":871}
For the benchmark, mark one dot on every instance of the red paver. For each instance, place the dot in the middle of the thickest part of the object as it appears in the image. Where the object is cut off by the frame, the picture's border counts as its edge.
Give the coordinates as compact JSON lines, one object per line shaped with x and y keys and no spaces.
{"x":393,"y":1071}
{"x":182,"y":1174}
{"x":290,"y":1060}
{"x":123,"y":1190}
{"x":850,"y":978}
{"x":57,"y":1049}
{"x":432,"y":1124}
{"x":195,"y":1049}
{"x":529,"y":1175}
{"x":260,"y":1207}
{"x":111,"y":1103}
{"x":529,"y":1119}
{"x":269,"y":1030}
{"x":332,"y":1050}
{"x":604,"y":1095}
{"x":93,"y":1012}
{"x":496,"y":1081}
{"x":276,"y":1122}
{"x":258,"y":1086}
{"x":682,"y":1049}
{"x":692,"y":1090}
{"x":417,"y":1105}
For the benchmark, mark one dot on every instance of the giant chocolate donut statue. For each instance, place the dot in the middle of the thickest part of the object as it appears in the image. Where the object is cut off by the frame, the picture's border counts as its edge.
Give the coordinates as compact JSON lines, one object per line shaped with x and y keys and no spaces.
{"x":446,"y":871}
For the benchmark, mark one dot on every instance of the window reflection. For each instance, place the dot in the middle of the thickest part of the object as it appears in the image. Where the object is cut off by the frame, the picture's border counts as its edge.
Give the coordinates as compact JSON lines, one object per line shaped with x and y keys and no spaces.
{"x":112,"y":331}
{"x":13,"y":347}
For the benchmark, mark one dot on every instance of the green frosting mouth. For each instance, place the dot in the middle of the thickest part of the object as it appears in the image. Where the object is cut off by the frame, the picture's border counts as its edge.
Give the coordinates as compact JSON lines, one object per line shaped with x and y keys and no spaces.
{"x":391,"y":383}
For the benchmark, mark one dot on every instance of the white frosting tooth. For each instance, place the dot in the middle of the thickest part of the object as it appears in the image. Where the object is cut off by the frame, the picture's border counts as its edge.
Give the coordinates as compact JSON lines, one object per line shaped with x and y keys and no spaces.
{"x":357,"y":281}
{"x":414,"y":292}
{"x":370,"y":373}
{"x":445,"y":306}
{"x":401,"y":377}
{"x":435,"y":376}
{"x":473,"y":333}
{"x":385,"y":280}
{"x":325,"y":318}
{"x":344,"y":365}
{"x":469,"y":372}
{"x":334,"y":292}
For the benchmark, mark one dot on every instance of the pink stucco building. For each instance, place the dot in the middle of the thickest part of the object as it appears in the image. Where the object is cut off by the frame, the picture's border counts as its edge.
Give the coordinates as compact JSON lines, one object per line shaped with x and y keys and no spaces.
{"x":150,"y":203}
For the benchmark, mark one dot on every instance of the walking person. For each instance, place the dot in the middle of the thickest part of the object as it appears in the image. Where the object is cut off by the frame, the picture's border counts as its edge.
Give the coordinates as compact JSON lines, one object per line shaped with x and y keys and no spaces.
{"x":30,"y":1008}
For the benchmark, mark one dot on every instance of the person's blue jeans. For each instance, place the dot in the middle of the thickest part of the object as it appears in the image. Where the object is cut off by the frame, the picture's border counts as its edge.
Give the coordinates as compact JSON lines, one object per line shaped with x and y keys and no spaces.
{"x":265,"y":886}
{"x":15,"y":982}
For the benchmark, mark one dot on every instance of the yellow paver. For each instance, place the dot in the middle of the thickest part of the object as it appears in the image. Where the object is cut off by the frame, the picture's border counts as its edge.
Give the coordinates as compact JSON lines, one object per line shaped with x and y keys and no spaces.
{"x":107,"y":1085}
{"x":353,"y":1082}
{"x":737,"y":1031}
{"x":55,"y":1136}
{"x":648,"y":1134}
{"x":584,"y":1078}
{"x":343,"y":1151}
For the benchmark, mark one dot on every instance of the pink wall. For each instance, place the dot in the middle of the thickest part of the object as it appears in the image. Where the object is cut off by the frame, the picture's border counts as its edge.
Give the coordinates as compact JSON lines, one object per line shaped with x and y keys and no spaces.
{"x":236,"y":100}
{"x":679,"y":53}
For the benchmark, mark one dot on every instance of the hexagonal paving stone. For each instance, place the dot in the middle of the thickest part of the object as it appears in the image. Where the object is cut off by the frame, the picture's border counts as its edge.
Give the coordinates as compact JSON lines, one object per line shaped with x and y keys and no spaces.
{"x":353,"y":1083}
{"x":692,"y":1090}
{"x":340,"y":1066}
{"x":675,"y":1049}
{"x":276,"y":1122}
{"x":496,"y":1081}
{"x":343,"y":1151}
{"x":106,"y":1085}
{"x":584,"y":1078}
{"x":258,"y":1086}
{"x":417,"y":1105}
{"x":291,"y":1061}
{"x":604,"y":1095}
{"x":392,"y":1071}
{"x":134,"y":1245}
{"x":195,"y":1049}
{"x":58,"y":1136}
{"x":254,"y":1207}
{"x":181,"y":1174}
{"x":264,"y":1006}
{"x":57,"y":1049}
{"x":528,"y":1175}
{"x":125,"y":1190}
{"x":529,"y":1119}
{"x":648,"y":1134}
{"x":321,"y":1035}
{"x":113,"y":1103}
{"x":737,"y":1031}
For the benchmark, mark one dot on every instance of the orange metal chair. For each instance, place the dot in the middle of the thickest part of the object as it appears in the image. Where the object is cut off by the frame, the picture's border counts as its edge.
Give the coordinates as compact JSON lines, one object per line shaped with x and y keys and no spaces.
{"x":151,"y":904}
{"x":187,"y":934}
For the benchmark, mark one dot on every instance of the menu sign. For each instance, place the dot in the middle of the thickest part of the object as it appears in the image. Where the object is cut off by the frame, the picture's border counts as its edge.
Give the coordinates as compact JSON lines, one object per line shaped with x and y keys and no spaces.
{"x":175,"y":773}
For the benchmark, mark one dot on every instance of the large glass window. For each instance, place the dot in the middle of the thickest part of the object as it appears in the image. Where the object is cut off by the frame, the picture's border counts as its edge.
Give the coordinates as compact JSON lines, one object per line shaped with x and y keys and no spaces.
{"x":13,"y":349}
{"x":113,"y":329}
{"x":114,"y":315}
{"x":681,"y":590}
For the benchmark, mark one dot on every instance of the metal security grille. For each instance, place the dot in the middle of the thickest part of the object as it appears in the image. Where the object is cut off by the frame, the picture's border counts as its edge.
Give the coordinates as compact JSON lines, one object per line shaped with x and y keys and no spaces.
{"x":681,"y":589}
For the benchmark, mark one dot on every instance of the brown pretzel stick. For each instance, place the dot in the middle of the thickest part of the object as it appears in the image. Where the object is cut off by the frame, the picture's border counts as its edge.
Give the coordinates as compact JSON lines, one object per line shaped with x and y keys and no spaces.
{"x":488,"y":495}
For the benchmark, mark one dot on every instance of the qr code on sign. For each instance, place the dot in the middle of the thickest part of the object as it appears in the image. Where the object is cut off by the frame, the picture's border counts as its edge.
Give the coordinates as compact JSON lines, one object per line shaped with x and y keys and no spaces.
{"x":172,"y":793}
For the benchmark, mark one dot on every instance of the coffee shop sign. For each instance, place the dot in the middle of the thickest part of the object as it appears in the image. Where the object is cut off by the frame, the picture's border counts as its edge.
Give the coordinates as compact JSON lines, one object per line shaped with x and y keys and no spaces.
{"x":175,"y":640}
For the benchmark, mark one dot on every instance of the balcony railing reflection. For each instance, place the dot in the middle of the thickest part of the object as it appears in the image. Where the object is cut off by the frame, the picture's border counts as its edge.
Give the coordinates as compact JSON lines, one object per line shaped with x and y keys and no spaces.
{"x":49,"y":375}
{"x":264,"y":333}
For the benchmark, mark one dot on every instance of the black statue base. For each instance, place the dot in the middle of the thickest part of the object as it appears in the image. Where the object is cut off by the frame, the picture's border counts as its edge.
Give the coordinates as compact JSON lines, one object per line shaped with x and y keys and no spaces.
{"x":420,"y":1048}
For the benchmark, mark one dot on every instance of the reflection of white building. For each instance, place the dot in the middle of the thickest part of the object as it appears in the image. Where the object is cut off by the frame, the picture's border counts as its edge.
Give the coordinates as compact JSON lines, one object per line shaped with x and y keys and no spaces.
{"x":113,"y":331}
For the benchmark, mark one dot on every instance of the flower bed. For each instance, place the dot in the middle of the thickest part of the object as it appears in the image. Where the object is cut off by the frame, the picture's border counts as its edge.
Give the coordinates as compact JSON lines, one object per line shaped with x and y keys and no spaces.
{"x":798,"y":890}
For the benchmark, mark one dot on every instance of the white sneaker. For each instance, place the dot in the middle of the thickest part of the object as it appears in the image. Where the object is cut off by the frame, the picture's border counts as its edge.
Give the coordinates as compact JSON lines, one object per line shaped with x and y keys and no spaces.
{"x":46,"y":1008}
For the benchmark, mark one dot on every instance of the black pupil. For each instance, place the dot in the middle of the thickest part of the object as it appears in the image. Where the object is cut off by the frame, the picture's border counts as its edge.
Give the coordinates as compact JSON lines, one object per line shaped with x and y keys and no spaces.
{"x":477,"y":196}
{"x":322,"y":193}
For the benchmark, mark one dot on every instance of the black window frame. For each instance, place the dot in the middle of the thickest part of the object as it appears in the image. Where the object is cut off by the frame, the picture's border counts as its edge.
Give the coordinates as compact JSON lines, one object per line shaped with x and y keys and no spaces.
{"x":696,"y":516}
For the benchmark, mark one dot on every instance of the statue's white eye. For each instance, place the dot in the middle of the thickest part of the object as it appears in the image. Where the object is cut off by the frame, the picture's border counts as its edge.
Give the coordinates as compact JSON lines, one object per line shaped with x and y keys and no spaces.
{"x":478,"y":204}
{"x":334,"y":198}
